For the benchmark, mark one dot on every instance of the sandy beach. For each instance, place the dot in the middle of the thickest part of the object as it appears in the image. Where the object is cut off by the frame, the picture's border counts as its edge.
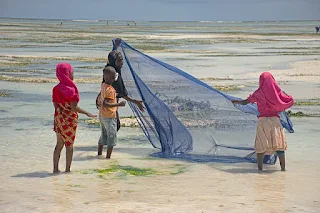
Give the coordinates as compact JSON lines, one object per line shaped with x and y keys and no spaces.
{"x":133,"y":181}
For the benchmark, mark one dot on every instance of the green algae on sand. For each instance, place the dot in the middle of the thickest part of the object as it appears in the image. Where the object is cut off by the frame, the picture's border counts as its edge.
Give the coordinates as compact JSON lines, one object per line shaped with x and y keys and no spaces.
{"x":128,"y":170}
{"x":300,"y":114}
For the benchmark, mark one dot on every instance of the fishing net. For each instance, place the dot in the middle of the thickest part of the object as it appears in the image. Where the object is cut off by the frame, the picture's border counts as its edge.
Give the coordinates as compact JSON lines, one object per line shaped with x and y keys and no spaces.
{"x":186,"y":118}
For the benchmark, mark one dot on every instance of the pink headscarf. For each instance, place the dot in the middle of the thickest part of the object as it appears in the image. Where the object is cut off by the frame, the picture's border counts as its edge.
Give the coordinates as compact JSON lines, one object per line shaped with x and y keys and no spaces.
{"x":66,"y":90}
{"x":270,"y":94}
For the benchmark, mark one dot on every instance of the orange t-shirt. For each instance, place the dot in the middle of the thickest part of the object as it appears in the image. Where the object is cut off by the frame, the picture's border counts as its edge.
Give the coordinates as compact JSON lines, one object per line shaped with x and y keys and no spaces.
{"x":107,"y":91}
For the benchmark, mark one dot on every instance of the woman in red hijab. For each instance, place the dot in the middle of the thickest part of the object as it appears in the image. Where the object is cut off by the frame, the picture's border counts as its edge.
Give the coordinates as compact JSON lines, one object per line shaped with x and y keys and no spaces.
{"x":65,"y":98}
{"x":270,"y":100}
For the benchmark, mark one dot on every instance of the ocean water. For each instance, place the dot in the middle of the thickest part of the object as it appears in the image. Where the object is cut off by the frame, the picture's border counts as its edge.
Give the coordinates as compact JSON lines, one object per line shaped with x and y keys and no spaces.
{"x":30,"y":50}
{"x":213,"y":46}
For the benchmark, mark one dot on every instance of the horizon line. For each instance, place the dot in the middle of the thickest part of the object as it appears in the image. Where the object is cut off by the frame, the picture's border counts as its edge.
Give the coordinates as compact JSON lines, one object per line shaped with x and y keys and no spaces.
{"x":123,"y":20}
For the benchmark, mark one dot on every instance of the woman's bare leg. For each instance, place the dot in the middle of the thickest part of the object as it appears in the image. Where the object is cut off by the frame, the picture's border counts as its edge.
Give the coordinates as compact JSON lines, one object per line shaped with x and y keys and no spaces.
{"x":56,"y":154}
{"x":282,"y":160}
{"x":260,"y":157}
{"x":69,"y":154}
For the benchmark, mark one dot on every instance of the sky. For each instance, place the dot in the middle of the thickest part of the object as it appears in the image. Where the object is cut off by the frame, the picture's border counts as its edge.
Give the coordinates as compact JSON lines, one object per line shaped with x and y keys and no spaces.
{"x":163,"y":10}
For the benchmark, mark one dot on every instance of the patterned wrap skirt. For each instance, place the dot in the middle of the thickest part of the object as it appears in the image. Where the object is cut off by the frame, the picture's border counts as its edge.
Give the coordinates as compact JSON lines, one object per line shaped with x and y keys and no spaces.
{"x":65,"y":123}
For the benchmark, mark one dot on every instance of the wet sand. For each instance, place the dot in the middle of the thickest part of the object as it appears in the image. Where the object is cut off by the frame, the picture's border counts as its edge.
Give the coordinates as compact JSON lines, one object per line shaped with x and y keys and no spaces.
{"x":178,"y":186}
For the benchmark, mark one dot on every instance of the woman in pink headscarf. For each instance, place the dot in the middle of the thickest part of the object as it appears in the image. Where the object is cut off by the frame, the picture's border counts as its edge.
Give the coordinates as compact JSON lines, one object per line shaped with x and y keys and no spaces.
{"x":270,"y":100}
{"x":65,"y":98}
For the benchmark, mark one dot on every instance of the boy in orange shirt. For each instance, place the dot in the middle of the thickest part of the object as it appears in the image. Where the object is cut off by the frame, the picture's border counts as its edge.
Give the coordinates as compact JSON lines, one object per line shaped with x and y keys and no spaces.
{"x":107,"y":112}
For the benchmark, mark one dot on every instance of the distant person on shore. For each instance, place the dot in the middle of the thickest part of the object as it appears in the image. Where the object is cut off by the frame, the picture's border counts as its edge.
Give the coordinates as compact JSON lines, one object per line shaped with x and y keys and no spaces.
{"x":108,"y":111}
{"x":65,"y":98}
{"x":317,"y":28}
{"x":271,"y":100}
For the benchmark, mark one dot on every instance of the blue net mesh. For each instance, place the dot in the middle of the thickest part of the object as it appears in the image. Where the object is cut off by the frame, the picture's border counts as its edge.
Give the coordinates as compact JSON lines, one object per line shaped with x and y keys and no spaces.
{"x":186,"y":118}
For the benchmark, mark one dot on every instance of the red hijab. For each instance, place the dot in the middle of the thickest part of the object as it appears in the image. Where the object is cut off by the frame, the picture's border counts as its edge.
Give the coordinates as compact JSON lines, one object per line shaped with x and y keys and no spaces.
{"x":270,"y":94}
{"x":66,"y":90}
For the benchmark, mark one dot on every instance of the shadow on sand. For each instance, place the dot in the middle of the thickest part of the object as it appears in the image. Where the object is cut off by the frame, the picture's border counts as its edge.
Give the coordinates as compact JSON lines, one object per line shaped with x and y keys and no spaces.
{"x":39,"y":174}
{"x":247,"y":170}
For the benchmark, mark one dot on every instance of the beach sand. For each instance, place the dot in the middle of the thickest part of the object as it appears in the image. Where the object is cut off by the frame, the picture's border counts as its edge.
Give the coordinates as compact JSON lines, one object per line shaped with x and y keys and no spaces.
{"x":302,"y":71}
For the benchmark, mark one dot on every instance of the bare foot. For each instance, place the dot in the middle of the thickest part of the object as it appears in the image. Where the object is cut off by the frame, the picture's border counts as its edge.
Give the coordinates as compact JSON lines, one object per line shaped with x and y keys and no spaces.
{"x":56,"y":171}
{"x":67,"y":171}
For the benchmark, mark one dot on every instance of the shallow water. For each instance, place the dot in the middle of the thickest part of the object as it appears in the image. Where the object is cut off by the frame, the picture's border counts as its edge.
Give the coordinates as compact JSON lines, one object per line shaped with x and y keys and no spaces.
{"x":26,"y":162}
